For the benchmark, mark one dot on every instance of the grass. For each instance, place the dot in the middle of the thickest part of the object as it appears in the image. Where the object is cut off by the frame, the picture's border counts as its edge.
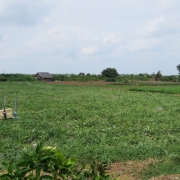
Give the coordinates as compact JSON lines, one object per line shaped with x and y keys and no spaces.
{"x":167,"y":166}
{"x":90,"y":122}
{"x":162,"y":89}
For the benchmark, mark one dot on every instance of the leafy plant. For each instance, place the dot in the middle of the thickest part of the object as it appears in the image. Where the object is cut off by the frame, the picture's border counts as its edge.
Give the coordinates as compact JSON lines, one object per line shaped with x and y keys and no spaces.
{"x":49,"y":163}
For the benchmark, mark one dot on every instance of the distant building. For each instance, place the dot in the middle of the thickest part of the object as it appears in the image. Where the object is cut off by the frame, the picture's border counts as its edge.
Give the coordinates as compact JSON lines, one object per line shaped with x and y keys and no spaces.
{"x":44,"y":76}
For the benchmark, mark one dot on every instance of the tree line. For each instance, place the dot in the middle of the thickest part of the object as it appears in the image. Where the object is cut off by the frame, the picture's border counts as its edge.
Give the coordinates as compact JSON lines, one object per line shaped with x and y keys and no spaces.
{"x":16,"y":77}
{"x":108,"y":74}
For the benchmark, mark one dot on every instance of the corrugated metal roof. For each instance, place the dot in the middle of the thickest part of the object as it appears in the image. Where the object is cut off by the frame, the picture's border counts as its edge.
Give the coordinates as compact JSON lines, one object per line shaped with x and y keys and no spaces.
{"x":44,"y":75}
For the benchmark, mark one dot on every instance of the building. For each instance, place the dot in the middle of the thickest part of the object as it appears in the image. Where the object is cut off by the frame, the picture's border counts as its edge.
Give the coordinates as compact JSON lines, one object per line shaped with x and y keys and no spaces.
{"x":44,"y":76}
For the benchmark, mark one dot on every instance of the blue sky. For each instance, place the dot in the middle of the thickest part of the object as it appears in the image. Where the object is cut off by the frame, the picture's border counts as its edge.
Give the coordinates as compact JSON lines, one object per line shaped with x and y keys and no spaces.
{"x":68,"y":36}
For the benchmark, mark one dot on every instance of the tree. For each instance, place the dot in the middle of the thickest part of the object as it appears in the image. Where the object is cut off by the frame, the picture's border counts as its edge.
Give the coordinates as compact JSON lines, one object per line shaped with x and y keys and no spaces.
{"x":109,"y":73}
{"x":158,"y":76}
{"x":178,"y":68}
{"x":81,"y":74}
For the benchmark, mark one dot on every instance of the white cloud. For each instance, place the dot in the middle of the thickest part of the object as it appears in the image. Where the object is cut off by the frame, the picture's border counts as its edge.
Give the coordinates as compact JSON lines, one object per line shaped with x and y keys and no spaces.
{"x":79,"y":33}
{"x":165,"y":3}
{"x":144,"y":44}
{"x":22,"y":13}
{"x":88,"y":50}
{"x":109,"y":37}
{"x":153,"y":24}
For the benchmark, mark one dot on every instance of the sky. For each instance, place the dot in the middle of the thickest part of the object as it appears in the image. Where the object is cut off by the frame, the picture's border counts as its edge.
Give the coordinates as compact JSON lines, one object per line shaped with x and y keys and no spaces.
{"x":73,"y":36}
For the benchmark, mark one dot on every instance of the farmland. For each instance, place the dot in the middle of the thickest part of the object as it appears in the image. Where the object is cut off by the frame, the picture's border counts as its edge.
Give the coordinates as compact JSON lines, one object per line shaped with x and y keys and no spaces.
{"x":88,"y":122}
{"x":173,"y":89}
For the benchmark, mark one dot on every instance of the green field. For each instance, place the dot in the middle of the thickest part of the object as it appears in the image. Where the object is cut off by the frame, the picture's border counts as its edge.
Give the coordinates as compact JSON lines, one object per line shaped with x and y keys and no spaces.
{"x":90,"y":122}
{"x":170,"y":89}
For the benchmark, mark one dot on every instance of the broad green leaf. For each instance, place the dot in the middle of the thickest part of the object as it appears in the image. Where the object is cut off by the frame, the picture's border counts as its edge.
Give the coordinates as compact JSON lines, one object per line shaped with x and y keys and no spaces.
{"x":6,"y":177}
{"x":14,"y":166}
{"x":38,"y":170}
{"x":60,"y":156}
{"x":96,"y":177}
{"x":39,"y":147}
{"x":44,"y":158}
{"x":10,"y":167}
{"x":46,"y":149}
{"x":71,"y":162}
{"x":22,"y":172}
{"x":27,"y":163}
{"x":4,"y":166}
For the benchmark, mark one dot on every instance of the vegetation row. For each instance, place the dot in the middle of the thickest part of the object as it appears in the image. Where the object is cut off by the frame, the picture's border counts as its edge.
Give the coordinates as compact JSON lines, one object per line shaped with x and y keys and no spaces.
{"x":167,"y":90}
{"x":124,"y":78}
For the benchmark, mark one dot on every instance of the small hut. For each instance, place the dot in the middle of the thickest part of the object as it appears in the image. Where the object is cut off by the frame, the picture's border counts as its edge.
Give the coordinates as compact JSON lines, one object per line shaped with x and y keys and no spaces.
{"x":44,"y":76}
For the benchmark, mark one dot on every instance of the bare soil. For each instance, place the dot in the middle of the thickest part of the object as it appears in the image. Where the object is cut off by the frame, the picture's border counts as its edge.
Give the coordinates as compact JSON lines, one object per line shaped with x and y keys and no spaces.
{"x":130,"y":170}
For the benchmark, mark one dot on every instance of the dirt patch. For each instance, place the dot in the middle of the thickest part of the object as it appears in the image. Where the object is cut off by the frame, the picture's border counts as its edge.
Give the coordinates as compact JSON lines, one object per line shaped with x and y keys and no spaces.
{"x":130,"y":170}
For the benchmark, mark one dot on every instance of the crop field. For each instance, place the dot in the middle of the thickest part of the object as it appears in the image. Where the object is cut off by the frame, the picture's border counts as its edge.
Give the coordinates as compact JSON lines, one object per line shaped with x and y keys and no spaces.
{"x":90,"y":122}
{"x":173,"y":89}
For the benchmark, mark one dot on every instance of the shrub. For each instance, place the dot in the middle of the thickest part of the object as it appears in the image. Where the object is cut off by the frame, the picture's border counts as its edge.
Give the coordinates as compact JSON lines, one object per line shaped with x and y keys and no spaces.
{"x":111,"y":79}
{"x":50,"y":164}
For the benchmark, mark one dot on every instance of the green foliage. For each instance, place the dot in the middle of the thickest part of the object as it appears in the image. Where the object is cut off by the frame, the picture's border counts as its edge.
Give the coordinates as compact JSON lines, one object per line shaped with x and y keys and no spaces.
{"x":167,"y":166}
{"x":175,"y":89}
{"x":111,"y":79}
{"x":90,"y":123}
{"x":109,"y":73}
{"x":134,"y":77}
{"x":16,"y":77}
{"x":81,"y":74}
{"x":49,"y":163}
{"x":89,"y":77}
{"x":178,"y":68}
{"x":171,"y":78}
{"x":158,"y":76}
{"x":159,"y":84}
{"x":73,"y":77}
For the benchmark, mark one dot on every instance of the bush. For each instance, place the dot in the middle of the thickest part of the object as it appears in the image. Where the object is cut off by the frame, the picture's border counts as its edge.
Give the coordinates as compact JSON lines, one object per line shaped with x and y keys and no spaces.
{"x":111,"y":79}
{"x":16,"y":77}
{"x":109,"y":73}
{"x":49,"y":163}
